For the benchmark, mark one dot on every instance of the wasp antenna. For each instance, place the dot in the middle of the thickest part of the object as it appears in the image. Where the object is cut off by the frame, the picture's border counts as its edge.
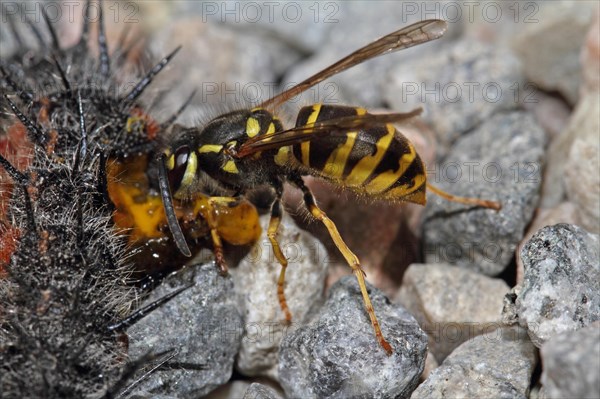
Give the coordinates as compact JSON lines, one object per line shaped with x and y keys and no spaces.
{"x":25,"y":94}
{"x":174,"y":117}
{"x":465,"y":200}
{"x":146,"y":80}
{"x":165,"y":193}
{"x":63,"y":75}
{"x":143,"y":312}
{"x":55,"y":42}
{"x":22,"y":180}
{"x":35,"y":134}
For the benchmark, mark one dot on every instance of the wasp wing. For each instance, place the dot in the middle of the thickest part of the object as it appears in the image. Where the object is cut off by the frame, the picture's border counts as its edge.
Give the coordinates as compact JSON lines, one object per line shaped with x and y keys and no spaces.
{"x":311,"y":131}
{"x":412,"y":35}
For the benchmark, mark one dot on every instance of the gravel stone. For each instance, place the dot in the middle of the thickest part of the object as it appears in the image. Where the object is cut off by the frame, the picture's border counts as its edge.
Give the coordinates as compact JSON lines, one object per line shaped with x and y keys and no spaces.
{"x":584,"y":124}
{"x":572,"y":364}
{"x":561,"y":287}
{"x":494,"y":365}
{"x":451,"y":304}
{"x":566,"y":212}
{"x":260,"y":391}
{"x":337,"y":355}
{"x":582,"y":181}
{"x":256,"y":292}
{"x":228,"y":69}
{"x":201,"y":324}
{"x":460,"y":86}
{"x":557,"y":38}
{"x":501,"y":160}
{"x":590,"y":58}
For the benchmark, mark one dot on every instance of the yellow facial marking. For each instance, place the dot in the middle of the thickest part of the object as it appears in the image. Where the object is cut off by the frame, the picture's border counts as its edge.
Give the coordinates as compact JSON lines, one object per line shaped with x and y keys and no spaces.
{"x":170,"y":161}
{"x":230,"y":167}
{"x":365,"y":167}
{"x":271,"y":128}
{"x":305,"y":147}
{"x":190,"y":170}
{"x":252,"y":127}
{"x":335,"y":164}
{"x":282,"y":156}
{"x":210,"y":148}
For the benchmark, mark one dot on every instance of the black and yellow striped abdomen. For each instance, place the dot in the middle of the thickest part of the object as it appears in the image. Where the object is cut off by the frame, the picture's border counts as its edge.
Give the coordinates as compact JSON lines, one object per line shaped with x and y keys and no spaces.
{"x":379,"y":161}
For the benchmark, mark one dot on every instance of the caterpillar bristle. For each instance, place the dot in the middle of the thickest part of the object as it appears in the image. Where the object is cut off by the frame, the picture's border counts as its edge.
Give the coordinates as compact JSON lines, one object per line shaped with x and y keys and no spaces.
{"x":66,"y":284}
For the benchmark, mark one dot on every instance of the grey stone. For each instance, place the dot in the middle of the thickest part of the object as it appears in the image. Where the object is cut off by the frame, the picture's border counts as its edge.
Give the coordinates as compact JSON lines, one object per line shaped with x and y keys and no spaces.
{"x":494,"y":365}
{"x":460,"y":86}
{"x":566,"y":212}
{"x":337,"y":355}
{"x":256,"y":293}
{"x":201,"y":326}
{"x":572,"y":364}
{"x":582,"y":180}
{"x":584,"y":124}
{"x":561,"y":286}
{"x":557,"y":38}
{"x":451,"y":304}
{"x":230,"y":69}
{"x":501,"y":160}
{"x":260,"y":391}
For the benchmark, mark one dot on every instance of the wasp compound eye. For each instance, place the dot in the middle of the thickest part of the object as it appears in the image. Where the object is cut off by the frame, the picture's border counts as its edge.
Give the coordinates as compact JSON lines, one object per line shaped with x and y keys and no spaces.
{"x":177,"y":165}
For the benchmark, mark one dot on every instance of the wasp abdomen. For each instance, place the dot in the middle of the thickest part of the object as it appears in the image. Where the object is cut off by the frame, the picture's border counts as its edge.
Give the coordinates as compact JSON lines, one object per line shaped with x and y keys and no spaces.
{"x":377,"y":161}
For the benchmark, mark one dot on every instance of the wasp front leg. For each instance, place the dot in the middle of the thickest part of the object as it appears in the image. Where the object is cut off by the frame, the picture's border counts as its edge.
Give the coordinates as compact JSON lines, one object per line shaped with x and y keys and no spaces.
{"x":351,"y":258}
{"x":212,"y":209}
{"x":272,"y":235}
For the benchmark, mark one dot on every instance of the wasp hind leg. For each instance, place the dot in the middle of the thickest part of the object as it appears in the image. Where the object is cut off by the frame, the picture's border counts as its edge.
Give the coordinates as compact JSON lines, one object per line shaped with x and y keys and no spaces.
{"x":351,"y":258}
{"x":272,"y":235}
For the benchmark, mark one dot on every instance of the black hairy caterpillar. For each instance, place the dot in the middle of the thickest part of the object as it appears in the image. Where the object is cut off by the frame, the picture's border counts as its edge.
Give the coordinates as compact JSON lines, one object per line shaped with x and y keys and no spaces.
{"x":65,"y":292}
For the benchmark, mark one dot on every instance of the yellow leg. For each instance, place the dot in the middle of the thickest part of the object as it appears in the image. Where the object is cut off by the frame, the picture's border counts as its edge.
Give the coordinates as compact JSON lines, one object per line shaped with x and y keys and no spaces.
{"x":350,"y":257}
{"x":211,"y":218}
{"x":272,"y":234}
{"x":465,"y":200}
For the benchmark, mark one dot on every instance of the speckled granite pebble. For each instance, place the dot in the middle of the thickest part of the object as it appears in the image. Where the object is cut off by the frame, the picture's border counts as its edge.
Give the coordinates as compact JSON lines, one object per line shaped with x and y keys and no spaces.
{"x":256,"y":293}
{"x":202,"y":325}
{"x":561,"y":286}
{"x":572,"y":364}
{"x":337,"y":355}
{"x":451,"y":304}
{"x":495,"y":365}
{"x":500,"y":160}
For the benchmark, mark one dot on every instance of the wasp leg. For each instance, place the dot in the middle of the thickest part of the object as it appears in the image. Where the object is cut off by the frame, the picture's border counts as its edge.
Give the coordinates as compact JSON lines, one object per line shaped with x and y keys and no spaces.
{"x":350,"y":257}
{"x":212,"y":205}
{"x":272,"y":235}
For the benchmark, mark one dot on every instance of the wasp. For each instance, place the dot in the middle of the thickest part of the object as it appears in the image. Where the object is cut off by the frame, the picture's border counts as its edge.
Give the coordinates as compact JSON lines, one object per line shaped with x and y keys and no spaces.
{"x":348,"y":146}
